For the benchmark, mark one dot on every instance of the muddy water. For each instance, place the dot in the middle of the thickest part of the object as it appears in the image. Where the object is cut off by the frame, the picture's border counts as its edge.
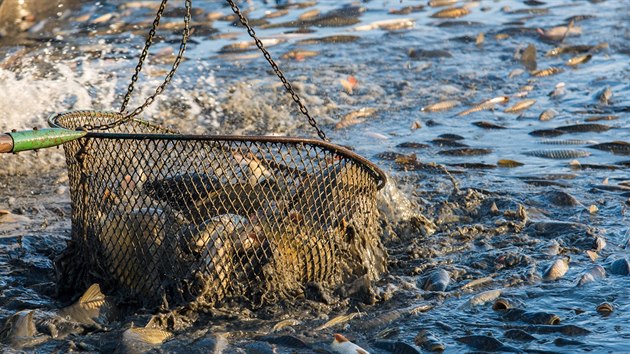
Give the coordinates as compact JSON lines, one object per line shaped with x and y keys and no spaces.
{"x":502,"y":225}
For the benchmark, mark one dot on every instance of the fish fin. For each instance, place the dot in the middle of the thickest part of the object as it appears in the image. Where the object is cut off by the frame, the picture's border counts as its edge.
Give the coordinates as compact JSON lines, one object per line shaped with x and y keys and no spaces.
{"x":93,"y":298}
{"x":151,"y":335}
{"x":340,"y":339}
{"x":361,"y":351}
{"x":24,"y":325}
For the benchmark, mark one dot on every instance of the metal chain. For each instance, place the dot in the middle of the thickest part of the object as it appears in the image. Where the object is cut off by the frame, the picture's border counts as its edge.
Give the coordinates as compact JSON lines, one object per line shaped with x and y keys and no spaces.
{"x":143,"y":56}
{"x":276,"y":69}
{"x":145,"y":51}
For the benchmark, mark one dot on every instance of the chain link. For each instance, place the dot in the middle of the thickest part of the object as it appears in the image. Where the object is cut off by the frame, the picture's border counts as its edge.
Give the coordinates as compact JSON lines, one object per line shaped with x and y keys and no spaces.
{"x":276,"y":69}
{"x":143,"y":56}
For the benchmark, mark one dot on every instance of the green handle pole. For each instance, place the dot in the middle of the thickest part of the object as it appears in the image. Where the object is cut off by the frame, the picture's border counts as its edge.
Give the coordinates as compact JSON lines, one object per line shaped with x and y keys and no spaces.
{"x":37,"y":139}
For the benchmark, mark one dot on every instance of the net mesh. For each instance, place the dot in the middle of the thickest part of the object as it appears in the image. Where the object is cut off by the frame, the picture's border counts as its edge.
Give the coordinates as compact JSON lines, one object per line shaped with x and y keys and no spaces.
{"x":167,"y":218}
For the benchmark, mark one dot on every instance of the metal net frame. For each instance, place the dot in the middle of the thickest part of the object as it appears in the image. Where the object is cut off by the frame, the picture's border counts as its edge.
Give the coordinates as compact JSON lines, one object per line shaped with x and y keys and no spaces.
{"x":168,"y":218}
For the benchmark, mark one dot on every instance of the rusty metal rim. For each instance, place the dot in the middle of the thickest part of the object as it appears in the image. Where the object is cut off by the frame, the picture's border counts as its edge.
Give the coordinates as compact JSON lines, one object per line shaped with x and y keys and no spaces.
{"x":374,"y":170}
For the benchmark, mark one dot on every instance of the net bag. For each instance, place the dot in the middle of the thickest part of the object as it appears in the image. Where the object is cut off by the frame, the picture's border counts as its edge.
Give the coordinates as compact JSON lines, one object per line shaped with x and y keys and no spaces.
{"x":167,"y":218}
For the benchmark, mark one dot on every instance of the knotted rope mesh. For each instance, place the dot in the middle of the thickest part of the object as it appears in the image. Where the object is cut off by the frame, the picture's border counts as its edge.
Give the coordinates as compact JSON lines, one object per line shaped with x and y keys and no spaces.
{"x":169,"y":218}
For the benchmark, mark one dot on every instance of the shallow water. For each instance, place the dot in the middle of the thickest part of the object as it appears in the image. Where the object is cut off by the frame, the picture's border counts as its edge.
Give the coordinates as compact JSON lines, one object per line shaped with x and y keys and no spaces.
{"x":87,"y":65}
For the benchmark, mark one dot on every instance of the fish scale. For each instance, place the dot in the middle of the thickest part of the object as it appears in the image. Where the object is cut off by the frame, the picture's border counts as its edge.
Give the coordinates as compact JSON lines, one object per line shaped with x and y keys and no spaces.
{"x":567,"y":142}
{"x":558,"y":154}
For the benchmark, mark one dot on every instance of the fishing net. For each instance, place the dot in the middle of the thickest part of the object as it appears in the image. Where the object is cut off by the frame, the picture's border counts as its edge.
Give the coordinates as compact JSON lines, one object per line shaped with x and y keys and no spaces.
{"x":166,"y":218}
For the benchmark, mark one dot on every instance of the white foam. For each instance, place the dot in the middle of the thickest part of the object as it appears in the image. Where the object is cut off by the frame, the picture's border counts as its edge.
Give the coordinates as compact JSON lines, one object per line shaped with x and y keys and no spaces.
{"x":28,"y":97}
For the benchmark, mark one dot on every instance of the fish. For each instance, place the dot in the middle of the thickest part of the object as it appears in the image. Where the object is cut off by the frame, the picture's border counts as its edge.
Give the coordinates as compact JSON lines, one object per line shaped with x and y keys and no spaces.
{"x":349,"y":84}
{"x":599,"y":118}
{"x":509,"y":163}
{"x":543,"y":318}
{"x":88,"y":309}
{"x":560,"y":32}
{"x":527,"y":11}
{"x":451,"y":136}
{"x":245,"y":46}
{"x":575,"y":49}
{"x":520,"y":106}
{"x":593,"y":256}
{"x":442,"y":142}
{"x":483,"y":298}
{"x":576,"y":165}
{"x":438,"y":280}
{"x":138,"y":340}
{"x":355,"y":117}
{"x":342,"y":17}
{"x":485,"y":105}
{"x":342,"y":345}
{"x":558,"y":154}
{"x":518,"y":334}
{"x":598,"y":244}
{"x":338,"y":320}
{"x":465,"y":152}
{"x":394,"y":346}
{"x":547,"y":132}
{"x":226,"y":228}
{"x":581,"y":59}
{"x":547,"y":72}
{"x":472,"y":165}
{"x":480,"y":39}
{"x":210,"y":247}
{"x":428,"y":341}
{"x":488,"y":125}
{"x":235,"y":177}
{"x":291,"y":246}
{"x":557,"y":269}
{"x":501,"y":36}
{"x":388,"y":25}
{"x":562,"y":199}
{"x":308,"y":14}
{"x":605,"y":96}
{"x":620,"y":266}
{"x":558,"y":90}
{"x":286,"y":341}
{"x":181,"y":190}
{"x":440,"y":106}
{"x":299,"y":55}
{"x":19,"y":331}
{"x":393,"y":156}
{"x":277,"y":13}
{"x":476,"y":282}
{"x":615,"y":147}
{"x":485,"y":343}
{"x":584,"y":128}
{"x":501,"y":304}
{"x":570,"y":330}
{"x":285,"y":323}
{"x":453,"y":12}
{"x":547,"y":114}
{"x":528,"y":58}
{"x":516,"y":72}
{"x":605,"y":308}
{"x":388,"y":332}
{"x":138,"y":248}
{"x":439,"y":3}
{"x":412,"y":145}
{"x":407,"y":10}
{"x":418,"y":54}
{"x":596,"y":273}
{"x":567,"y":142}
{"x":342,"y":38}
